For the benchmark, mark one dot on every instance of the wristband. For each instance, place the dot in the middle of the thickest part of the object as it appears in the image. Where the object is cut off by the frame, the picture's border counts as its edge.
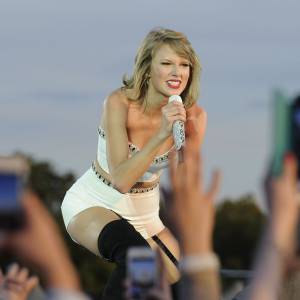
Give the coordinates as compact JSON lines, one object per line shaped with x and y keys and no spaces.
{"x":65,"y":294}
{"x":200,"y":262}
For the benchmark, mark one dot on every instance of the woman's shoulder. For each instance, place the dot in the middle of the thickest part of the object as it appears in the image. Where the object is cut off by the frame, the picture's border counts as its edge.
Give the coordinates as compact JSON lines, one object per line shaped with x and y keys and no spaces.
{"x":196,"y":111}
{"x":117,"y":97}
{"x":196,"y":124}
{"x":115,"y":107}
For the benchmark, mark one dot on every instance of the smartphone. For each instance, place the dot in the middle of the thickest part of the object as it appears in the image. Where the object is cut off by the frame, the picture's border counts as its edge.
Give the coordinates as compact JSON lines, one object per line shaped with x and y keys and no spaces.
{"x":295,"y":130}
{"x":142,"y":270}
{"x":14,"y":172}
{"x":281,"y":134}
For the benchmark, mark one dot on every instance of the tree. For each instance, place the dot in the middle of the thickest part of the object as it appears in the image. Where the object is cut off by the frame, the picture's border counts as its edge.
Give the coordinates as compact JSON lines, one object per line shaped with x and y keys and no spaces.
{"x":237,"y":231}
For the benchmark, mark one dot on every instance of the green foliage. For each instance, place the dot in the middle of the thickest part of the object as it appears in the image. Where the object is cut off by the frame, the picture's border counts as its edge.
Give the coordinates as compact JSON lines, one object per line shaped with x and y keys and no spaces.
{"x":48,"y":184}
{"x":237,"y":231}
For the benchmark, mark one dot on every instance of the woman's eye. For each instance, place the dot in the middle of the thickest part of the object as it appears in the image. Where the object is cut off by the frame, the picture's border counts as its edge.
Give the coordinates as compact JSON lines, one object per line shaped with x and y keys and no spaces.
{"x":185,"y":65}
{"x":165,"y":63}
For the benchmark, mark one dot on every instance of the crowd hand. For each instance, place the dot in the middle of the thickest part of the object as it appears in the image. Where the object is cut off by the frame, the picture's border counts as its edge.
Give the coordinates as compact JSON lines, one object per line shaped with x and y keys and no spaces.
{"x":193,"y":207}
{"x":281,"y":193}
{"x":278,"y":246}
{"x":16,"y":284}
{"x":171,"y":112}
{"x":41,"y":246}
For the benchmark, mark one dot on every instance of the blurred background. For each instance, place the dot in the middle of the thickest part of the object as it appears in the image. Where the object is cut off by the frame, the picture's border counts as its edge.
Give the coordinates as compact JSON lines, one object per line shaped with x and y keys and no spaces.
{"x":60,"y":59}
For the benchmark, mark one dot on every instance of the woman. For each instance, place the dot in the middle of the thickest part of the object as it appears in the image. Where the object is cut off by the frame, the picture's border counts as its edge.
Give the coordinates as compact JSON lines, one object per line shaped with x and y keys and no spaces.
{"x":115,"y":204}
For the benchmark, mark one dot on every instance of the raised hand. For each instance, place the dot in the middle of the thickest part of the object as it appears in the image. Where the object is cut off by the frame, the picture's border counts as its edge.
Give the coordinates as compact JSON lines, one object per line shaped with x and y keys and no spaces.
{"x":193,"y":206}
{"x":17,"y":283}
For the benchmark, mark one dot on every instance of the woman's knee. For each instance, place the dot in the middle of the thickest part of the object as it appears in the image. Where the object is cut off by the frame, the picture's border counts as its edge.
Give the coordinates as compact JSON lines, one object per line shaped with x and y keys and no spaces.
{"x":116,"y":238}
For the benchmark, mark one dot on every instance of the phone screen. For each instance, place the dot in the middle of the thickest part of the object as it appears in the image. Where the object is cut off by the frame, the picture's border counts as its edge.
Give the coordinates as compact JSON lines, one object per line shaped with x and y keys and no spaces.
{"x":143,"y":271}
{"x":295,"y":131}
{"x":10,"y":187}
{"x":143,"y":275}
{"x":281,"y":132}
{"x":11,"y":214}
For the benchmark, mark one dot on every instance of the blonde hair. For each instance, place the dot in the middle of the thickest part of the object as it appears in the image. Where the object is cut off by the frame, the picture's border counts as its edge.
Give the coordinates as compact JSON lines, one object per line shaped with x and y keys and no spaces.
{"x":138,"y":82}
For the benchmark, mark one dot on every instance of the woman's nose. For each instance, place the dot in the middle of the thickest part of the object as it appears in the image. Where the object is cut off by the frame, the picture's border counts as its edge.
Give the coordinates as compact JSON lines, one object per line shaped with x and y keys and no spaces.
{"x":175,"y":70}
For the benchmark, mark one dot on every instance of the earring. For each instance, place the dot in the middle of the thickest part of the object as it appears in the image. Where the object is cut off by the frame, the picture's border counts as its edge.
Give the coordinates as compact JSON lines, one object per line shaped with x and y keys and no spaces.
{"x":147,"y":78}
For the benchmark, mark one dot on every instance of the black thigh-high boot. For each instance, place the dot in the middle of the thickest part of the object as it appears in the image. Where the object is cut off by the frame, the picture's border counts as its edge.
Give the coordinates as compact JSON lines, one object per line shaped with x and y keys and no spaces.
{"x":113,"y":242}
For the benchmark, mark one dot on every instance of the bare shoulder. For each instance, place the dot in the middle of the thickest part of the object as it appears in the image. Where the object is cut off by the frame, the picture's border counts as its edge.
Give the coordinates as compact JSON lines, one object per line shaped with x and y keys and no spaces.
{"x":117,"y":98}
{"x":115,"y":108}
{"x":196,"y":112}
{"x":196,"y":124}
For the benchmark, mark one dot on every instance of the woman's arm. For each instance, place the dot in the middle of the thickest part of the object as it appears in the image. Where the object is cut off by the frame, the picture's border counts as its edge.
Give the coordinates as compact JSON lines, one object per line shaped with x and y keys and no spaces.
{"x":123,"y":170}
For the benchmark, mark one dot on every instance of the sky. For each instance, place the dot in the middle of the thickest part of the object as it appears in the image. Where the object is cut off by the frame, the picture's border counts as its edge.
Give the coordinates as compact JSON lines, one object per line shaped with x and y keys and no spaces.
{"x":60,"y":59}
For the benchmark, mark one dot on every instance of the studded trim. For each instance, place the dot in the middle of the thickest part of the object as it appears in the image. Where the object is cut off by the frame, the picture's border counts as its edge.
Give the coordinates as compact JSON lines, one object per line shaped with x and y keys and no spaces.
{"x":104,"y":180}
{"x":161,"y":158}
{"x":133,"y":148}
{"x":101,"y":132}
{"x":131,"y":191}
{"x":157,"y":160}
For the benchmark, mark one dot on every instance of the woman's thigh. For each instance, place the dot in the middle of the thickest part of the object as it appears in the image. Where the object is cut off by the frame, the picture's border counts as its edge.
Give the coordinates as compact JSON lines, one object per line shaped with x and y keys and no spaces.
{"x":86,"y":226}
{"x":171,"y":243}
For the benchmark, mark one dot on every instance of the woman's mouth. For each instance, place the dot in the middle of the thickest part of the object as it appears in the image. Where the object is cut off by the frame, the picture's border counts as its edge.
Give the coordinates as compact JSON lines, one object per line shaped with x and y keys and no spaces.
{"x":173,"y":84}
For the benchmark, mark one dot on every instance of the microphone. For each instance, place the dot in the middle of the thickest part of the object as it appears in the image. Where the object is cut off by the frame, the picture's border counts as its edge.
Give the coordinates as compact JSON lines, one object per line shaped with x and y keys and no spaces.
{"x":178,"y":127}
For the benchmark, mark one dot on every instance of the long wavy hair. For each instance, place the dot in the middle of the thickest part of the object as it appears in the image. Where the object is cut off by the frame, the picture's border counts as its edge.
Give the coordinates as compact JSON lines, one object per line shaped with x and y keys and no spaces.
{"x":136,"y":86}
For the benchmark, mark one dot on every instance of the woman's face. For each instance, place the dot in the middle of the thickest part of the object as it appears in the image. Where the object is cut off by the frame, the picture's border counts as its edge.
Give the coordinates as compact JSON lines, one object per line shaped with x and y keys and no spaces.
{"x":169,"y":72}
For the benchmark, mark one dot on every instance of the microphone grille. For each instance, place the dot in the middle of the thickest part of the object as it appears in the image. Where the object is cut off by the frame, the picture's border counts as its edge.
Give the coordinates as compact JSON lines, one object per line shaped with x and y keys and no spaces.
{"x":175,"y":98}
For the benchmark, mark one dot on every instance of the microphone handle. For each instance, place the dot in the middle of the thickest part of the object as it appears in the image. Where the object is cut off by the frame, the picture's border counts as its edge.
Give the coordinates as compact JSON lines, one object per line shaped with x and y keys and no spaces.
{"x":178,"y":134}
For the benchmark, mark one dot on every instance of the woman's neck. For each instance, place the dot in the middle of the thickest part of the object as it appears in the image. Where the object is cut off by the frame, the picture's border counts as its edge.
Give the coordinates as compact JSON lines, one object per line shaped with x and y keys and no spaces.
{"x":154,"y":101}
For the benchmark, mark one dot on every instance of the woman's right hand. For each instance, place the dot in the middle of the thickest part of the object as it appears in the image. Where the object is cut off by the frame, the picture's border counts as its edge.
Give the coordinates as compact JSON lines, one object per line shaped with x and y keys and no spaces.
{"x":171,"y":112}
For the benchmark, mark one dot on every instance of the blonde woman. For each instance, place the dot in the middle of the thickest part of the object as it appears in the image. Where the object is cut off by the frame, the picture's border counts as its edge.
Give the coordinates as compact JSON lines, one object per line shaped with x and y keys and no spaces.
{"x":115,"y":204}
